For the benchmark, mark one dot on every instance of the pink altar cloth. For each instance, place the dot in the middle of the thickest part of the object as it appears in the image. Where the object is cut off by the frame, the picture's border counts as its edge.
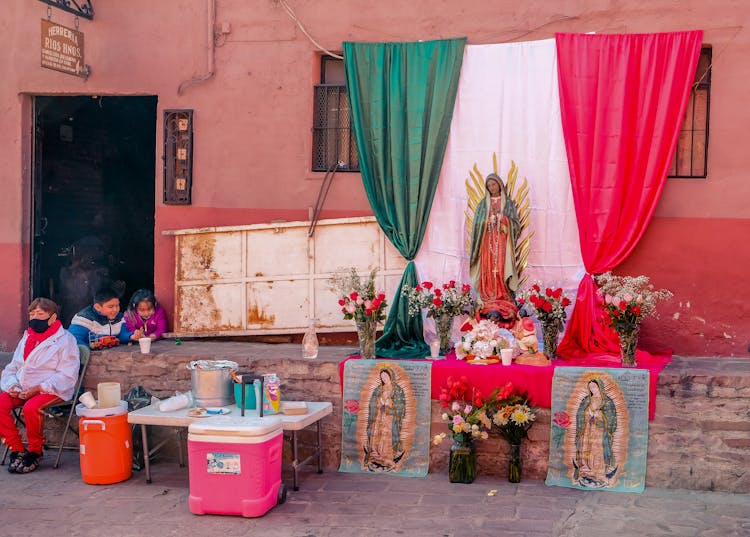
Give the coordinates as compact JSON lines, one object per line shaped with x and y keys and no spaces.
{"x":536,"y":380}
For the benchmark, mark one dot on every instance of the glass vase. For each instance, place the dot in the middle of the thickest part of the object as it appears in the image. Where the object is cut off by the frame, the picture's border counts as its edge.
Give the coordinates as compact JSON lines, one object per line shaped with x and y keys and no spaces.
{"x":628,"y":344}
{"x":444,"y":325}
{"x":462,"y":464}
{"x":310,"y":342}
{"x":514,"y":464}
{"x":366,"y":333}
{"x":550,"y":332}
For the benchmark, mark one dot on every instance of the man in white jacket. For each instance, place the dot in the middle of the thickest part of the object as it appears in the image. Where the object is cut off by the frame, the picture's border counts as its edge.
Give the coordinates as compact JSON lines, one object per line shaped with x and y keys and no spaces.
{"x":43,"y":371}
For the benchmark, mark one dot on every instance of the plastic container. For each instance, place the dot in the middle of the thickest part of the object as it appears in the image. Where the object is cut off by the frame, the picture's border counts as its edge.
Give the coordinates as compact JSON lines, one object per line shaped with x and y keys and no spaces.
{"x":271,"y":394}
{"x":212,"y":382}
{"x":235,"y":465}
{"x":106,"y":444}
{"x":109,"y":394}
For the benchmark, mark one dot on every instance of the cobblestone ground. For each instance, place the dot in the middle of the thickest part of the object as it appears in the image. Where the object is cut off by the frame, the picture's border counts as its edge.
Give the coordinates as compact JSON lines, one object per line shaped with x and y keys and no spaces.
{"x":58,"y":502}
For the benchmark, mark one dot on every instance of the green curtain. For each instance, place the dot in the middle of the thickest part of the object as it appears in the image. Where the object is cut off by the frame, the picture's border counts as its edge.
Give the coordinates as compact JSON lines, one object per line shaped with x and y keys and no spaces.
{"x":401,"y":98}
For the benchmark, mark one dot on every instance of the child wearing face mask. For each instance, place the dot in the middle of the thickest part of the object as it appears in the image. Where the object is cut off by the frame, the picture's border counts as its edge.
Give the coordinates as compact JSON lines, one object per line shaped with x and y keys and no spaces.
{"x":42,"y":372}
{"x":144,"y":316}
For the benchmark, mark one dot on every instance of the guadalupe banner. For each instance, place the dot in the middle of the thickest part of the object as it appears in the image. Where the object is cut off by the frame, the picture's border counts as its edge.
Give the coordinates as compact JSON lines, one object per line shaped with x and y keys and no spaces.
{"x":599,"y":437}
{"x":386,"y":418}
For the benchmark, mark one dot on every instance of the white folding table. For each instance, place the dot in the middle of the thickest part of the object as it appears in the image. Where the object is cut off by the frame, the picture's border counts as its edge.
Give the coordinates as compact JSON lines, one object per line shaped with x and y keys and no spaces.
{"x":316,"y":411}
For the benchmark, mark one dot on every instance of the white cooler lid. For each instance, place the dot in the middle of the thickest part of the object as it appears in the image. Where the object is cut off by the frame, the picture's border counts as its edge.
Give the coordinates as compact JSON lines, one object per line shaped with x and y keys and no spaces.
{"x":83,"y":411}
{"x":236,"y":426}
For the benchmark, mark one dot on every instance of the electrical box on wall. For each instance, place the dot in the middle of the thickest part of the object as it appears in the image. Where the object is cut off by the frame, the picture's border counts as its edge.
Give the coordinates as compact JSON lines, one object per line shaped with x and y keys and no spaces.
{"x":178,"y":156}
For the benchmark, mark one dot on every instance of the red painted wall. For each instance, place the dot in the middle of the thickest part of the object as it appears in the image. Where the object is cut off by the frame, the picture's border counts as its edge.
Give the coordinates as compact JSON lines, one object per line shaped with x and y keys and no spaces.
{"x":253,"y":118}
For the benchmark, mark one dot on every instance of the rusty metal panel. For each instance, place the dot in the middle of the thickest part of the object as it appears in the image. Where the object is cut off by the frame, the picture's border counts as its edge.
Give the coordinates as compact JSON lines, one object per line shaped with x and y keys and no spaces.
{"x":271,"y":278}
{"x":277,"y":252}
{"x":209,"y":256}
{"x":209,"y":308}
{"x":277,"y":304}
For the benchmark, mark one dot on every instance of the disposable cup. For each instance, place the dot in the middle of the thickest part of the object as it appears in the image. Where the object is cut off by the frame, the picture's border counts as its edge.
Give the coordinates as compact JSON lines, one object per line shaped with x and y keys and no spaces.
{"x":109,"y":394}
{"x":88,"y":400}
{"x":145,"y":343}
{"x":506,"y":355}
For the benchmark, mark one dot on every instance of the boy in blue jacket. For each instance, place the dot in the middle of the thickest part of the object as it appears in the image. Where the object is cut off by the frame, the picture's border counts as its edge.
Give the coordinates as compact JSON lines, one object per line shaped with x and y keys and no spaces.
{"x":101,"y":324}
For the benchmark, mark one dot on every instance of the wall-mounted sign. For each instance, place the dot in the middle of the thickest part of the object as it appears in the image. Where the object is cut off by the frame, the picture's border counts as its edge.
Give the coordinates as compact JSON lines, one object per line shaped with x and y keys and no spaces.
{"x":62,"y":49}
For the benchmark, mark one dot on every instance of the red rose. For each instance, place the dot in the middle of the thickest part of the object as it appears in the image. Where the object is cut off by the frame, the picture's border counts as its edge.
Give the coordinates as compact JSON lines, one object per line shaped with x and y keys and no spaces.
{"x":418,"y":288}
{"x":452,"y":283}
{"x":547,"y":307}
{"x":548,"y":292}
{"x":521,"y":301}
{"x":466,"y":288}
{"x":445,"y":286}
{"x":342,"y":302}
{"x":616,"y":313}
{"x":427,"y":285}
{"x":438,"y":292}
{"x":437,"y":302}
{"x":637,"y":310}
{"x":557,"y":292}
{"x":381,"y":296}
{"x":466,"y":327}
{"x":375,"y":303}
{"x":536,"y":288}
{"x":354,"y":295}
{"x":562,"y":419}
{"x":565,"y":302}
{"x":622,"y":305}
{"x":351,"y":406}
{"x":368,"y":312}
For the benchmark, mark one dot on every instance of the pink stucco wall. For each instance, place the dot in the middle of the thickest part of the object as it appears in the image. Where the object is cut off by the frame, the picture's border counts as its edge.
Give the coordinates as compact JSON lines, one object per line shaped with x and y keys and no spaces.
{"x":253,"y":121}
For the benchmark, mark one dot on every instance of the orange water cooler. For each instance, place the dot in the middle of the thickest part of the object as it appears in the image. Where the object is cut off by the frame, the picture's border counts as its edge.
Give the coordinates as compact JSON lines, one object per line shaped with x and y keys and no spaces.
{"x":106,"y":444}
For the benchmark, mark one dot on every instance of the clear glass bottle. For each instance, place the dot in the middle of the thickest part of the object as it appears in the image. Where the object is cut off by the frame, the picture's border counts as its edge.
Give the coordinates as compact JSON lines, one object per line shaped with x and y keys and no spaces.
{"x":310,"y":342}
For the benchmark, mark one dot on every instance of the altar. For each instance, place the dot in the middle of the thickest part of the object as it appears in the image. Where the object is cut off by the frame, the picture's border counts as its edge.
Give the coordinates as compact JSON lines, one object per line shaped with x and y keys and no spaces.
{"x":535,"y":380}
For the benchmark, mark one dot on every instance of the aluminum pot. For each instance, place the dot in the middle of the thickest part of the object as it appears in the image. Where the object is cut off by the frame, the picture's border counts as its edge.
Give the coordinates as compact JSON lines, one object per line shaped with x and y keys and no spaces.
{"x":212,"y":382}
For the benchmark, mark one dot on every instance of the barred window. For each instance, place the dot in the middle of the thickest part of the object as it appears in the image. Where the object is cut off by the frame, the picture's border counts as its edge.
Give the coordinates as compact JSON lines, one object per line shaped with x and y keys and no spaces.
{"x":691,"y":154}
{"x":333,"y":140}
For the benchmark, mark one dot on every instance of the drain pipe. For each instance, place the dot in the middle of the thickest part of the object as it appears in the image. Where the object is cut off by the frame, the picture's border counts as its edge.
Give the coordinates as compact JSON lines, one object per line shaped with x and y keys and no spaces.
{"x":211,"y":51}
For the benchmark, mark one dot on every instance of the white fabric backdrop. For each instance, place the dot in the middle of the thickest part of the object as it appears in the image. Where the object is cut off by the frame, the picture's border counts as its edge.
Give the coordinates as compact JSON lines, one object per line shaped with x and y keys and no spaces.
{"x":508,"y":104}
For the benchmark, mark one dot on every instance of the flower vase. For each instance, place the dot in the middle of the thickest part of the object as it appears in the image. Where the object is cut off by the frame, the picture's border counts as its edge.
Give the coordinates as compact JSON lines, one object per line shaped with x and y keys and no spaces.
{"x":628,"y":344}
{"x":550,"y":333}
{"x":462,"y":465}
{"x":444,"y":325}
{"x":514,"y":464}
{"x":366,"y":333}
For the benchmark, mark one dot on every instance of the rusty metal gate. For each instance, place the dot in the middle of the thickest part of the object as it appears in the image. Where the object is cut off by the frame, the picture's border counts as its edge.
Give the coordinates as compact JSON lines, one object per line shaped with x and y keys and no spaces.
{"x":272,"y":278}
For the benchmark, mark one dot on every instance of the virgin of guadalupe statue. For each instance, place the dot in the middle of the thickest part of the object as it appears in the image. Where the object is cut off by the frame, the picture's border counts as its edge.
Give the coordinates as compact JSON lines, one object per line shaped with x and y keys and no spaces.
{"x":387,"y":407}
{"x":595,"y":464}
{"x":492,"y":259}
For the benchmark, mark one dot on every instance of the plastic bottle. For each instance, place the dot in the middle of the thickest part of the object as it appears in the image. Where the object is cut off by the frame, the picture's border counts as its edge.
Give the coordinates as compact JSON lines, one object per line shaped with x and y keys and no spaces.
{"x":310,"y":342}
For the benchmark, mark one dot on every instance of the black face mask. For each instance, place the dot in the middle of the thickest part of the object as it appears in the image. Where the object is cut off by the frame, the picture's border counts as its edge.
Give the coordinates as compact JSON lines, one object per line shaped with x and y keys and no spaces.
{"x":39,"y":326}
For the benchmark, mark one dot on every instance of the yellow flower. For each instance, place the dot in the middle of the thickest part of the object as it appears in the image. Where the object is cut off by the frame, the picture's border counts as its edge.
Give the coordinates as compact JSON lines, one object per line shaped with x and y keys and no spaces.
{"x":437,"y":439}
{"x":519,"y":416}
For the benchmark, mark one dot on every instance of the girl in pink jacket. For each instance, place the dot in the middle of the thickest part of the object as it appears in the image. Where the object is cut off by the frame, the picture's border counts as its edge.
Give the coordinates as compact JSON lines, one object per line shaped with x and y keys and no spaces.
{"x":145,"y":316}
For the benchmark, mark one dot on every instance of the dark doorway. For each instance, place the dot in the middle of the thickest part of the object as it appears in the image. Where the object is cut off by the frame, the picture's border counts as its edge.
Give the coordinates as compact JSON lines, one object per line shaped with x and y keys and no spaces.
{"x":92,"y":197}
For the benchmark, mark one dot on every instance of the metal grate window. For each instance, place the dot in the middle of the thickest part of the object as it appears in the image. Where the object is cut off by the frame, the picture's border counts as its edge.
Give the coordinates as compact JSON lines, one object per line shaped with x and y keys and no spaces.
{"x":691,"y":154}
{"x":333,"y":139}
{"x":178,"y":156}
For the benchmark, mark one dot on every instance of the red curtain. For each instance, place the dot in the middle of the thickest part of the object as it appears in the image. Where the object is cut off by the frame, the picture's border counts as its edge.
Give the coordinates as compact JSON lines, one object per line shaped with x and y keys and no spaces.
{"x":622,"y":98}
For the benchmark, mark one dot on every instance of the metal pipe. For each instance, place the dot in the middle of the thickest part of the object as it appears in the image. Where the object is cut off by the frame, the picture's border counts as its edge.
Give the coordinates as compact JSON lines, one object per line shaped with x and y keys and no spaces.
{"x":211,"y":51}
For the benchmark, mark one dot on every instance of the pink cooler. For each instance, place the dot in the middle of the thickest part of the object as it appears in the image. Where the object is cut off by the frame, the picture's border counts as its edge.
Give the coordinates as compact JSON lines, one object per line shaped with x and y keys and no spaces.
{"x":235,"y":465}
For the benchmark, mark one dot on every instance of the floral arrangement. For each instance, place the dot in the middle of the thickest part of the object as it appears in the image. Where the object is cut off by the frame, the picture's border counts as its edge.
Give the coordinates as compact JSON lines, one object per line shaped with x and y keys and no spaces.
{"x":359,"y":300}
{"x":484,"y":340}
{"x":511,"y":415}
{"x":466,"y":416}
{"x":627,"y":300}
{"x":448,"y":299}
{"x":548,"y":306}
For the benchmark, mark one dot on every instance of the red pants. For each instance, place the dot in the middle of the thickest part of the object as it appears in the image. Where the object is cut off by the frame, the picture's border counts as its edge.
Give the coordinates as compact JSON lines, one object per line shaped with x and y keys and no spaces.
{"x":32,"y":416}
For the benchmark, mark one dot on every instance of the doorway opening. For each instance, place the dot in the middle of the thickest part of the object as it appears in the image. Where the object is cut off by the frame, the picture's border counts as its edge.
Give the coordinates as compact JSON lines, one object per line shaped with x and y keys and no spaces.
{"x":92,"y":198}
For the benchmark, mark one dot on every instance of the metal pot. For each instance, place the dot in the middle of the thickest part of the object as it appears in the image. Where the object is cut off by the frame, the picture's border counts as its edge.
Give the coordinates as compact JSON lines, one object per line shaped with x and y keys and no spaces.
{"x":212,"y":382}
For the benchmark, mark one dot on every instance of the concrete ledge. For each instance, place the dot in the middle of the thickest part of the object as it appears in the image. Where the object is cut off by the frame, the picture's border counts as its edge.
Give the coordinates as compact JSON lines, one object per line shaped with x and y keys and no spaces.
{"x":699,"y":440}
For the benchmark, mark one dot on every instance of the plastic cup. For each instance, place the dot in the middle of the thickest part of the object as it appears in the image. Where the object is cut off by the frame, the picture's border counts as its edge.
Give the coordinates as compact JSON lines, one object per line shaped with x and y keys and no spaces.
{"x":145,"y":343}
{"x":88,"y":400}
{"x":506,"y":355}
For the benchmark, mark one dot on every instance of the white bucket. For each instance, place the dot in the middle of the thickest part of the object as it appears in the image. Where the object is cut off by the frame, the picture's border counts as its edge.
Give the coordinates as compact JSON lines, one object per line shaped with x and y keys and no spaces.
{"x":109,"y":394}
